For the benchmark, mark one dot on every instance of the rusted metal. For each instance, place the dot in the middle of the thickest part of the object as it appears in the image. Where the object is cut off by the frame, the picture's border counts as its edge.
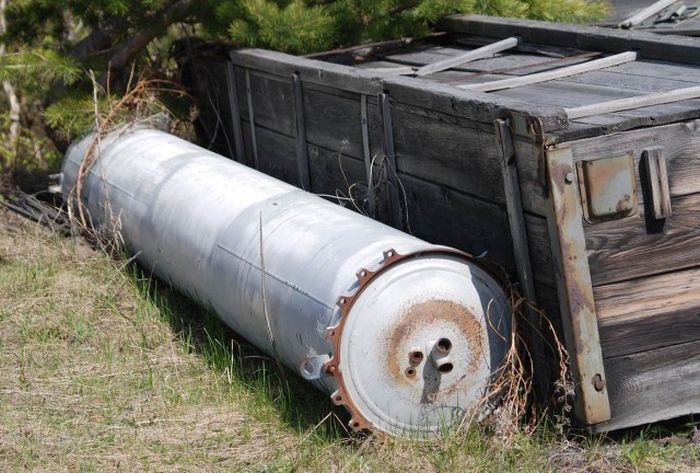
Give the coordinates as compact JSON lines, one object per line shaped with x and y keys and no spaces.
{"x":565,"y":222}
{"x":608,"y":188}
{"x":429,"y":312}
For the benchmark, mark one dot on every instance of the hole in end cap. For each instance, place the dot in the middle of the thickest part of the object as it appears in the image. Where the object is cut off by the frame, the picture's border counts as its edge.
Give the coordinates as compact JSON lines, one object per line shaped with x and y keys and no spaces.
{"x":446,"y":368}
{"x":444,"y":345}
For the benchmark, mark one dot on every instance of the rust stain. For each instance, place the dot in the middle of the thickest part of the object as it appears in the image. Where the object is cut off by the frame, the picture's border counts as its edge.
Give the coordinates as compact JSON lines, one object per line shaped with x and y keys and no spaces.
{"x":424,"y":314}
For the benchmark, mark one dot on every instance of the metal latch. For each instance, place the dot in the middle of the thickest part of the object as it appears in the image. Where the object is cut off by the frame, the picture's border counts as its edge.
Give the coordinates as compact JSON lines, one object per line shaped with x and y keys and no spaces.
{"x":608,"y":188}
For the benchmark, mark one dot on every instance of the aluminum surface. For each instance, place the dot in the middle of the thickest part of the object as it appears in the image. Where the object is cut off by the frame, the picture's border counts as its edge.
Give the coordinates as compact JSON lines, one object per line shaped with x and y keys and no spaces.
{"x":210,"y":226}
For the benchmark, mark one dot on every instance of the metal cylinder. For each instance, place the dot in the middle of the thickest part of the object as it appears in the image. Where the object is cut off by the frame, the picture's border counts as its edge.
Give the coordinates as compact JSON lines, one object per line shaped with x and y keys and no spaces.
{"x":403,"y":333}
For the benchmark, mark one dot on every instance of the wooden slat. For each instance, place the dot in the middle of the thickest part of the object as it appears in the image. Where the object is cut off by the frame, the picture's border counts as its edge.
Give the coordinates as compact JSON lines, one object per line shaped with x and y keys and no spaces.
{"x":649,"y":45}
{"x":552,"y":74}
{"x":649,"y":313}
{"x":653,"y":385}
{"x":647,"y":12}
{"x":251,"y":120}
{"x":235,"y":112}
{"x":634,"y":102}
{"x":632,"y":247}
{"x":473,"y":55}
{"x":657,"y":182}
{"x":302,"y":152}
{"x":438,"y":148}
{"x":448,"y":217}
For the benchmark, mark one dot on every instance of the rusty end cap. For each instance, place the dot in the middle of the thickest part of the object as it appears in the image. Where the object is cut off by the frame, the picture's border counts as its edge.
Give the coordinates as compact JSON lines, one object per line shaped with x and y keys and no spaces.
{"x":469,"y":339}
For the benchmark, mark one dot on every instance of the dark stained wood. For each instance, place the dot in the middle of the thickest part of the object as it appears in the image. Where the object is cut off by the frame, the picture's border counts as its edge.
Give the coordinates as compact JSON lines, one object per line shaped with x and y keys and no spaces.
{"x":444,"y":216}
{"x":276,"y":153}
{"x":653,"y":385}
{"x":631,"y":248}
{"x":478,"y":106}
{"x":309,"y":70}
{"x":651,"y":46}
{"x":657,"y":182}
{"x":302,"y":151}
{"x":437,"y":148}
{"x":540,"y":250}
{"x":649,"y":313}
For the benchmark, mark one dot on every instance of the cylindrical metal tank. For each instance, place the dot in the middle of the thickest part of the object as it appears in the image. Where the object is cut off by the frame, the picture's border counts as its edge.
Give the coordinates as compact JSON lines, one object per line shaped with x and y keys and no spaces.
{"x":403,"y":333}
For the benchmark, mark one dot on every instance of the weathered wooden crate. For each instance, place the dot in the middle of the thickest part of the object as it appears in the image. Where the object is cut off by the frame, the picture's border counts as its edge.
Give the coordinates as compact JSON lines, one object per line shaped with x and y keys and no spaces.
{"x":585,"y":187}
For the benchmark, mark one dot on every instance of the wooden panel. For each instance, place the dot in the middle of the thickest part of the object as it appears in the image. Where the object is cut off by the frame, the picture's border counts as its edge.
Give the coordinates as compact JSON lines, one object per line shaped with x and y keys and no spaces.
{"x":540,"y":250}
{"x":653,"y":385}
{"x":205,"y":80}
{"x":334,"y":122}
{"x":273,"y":101}
{"x":444,"y":216}
{"x":649,"y":313}
{"x":276,"y":153}
{"x":632,"y":247}
{"x":438,"y":149}
{"x":680,"y":143}
{"x":682,"y":50}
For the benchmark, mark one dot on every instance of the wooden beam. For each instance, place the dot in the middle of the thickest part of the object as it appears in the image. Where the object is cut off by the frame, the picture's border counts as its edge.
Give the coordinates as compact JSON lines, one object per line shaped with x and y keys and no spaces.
{"x":668,"y":48}
{"x":633,"y":102}
{"x":642,"y":15}
{"x":301,"y":149}
{"x":473,"y":55}
{"x":552,"y":74}
{"x":235,"y":111}
{"x":521,"y":249}
{"x":390,"y":163}
{"x":251,"y":119}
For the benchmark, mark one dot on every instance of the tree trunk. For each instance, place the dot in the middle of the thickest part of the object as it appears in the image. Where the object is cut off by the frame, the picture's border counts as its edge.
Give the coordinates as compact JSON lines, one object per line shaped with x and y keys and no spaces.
{"x":15,"y":108}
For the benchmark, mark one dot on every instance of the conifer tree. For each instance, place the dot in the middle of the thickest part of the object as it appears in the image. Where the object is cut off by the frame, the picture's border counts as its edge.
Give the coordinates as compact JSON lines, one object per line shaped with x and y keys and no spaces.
{"x":49,"y":45}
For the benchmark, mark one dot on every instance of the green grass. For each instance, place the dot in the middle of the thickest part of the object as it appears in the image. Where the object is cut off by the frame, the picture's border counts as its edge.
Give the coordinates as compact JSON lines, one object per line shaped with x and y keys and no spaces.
{"x":102,"y":369}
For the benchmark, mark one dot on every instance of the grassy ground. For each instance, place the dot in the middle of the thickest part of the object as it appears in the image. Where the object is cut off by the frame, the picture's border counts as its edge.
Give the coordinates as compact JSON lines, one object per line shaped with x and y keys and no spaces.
{"x":102,"y":369}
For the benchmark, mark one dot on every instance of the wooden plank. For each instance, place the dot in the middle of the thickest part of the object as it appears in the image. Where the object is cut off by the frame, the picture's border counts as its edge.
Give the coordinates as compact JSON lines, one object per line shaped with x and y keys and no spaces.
{"x":518,"y":232}
{"x":649,"y":313}
{"x":301,"y":147}
{"x":647,"y":12}
{"x":309,"y":70}
{"x":659,"y":198}
{"x":440,"y":149}
{"x":654,"y":385}
{"x":390,"y":164}
{"x":235,"y":112}
{"x":251,"y":121}
{"x":634,"y":247}
{"x":447,"y":217}
{"x":543,"y":269}
{"x":469,"y":56}
{"x":633,"y":102}
{"x":277,"y":153}
{"x":477,"y":106}
{"x":558,"y":73}
{"x":575,"y":290}
{"x":649,"y":45}
{"x":335,"y":122}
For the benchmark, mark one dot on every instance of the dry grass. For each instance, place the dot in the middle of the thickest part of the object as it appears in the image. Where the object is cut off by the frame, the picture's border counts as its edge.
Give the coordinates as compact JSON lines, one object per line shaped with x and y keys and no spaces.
{"x":103,"y":369}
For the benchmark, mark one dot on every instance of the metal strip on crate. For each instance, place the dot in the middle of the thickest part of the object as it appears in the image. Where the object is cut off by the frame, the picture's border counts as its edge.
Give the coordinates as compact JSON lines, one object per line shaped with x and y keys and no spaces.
{"x":575,"y":288}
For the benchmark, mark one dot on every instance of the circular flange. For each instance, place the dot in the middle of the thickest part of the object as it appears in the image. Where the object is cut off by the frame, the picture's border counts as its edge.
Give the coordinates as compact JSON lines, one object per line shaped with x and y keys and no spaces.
{"x":417,"y":342}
